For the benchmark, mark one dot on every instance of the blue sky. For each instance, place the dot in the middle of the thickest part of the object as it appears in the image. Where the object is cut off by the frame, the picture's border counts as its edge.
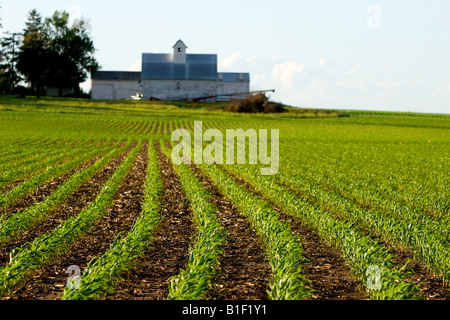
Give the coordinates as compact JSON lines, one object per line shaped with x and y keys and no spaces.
{"x":349,"y":54}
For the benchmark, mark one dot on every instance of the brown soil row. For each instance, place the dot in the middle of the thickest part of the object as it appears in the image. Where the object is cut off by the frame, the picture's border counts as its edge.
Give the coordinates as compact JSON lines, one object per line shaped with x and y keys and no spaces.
{"x":49,"y":282}
{"x":156,"y":127}
{"x":431,"y":287}
{"x":245,"y":269}
{"x":144,"y":127}
{"x":330,"y":277}
{"x":168,"y":252}
{"x":85,"y":194}
{"x":152,"y":124}
{"x":41,"y":192}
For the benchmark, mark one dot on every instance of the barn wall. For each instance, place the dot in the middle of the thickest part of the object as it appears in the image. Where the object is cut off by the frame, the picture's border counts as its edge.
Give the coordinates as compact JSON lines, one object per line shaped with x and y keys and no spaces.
{"x":178,"y":89}
{"x":114,"y":89}
{"x":164,"y":89}
{"x":231,"y":88}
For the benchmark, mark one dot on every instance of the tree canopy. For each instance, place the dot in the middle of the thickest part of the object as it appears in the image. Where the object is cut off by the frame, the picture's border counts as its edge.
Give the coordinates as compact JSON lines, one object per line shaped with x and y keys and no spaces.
{"x":55,"y":52}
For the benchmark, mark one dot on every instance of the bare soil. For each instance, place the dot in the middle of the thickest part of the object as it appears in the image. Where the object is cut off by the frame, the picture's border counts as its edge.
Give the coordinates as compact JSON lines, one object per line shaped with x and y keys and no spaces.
{"x":40,"y":193}
{"x":245,"y":269}
{"x":84,"y":195}
{"x":330,"y":276}
{"x":49,"y":282}
{"x":429,"y":285}
{"x":168,"y":252}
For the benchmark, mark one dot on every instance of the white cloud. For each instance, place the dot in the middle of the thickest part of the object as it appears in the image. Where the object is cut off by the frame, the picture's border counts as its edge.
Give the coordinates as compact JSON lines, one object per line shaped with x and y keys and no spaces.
{"x":408,"y":63}
{"x":231,"y":60}
{"x":353,"y":69}
{"x":284,"y":73}
{"x":359,"y":85}
{"x":252,"y":59}
{"x":259,"y":77}
{"x":136,"y":66}
{"x":442,"y":89}
{"x":317,"y":88}
{"x":398,"y":67}
{"x":322,"y":62}
{"x":389,"y":85}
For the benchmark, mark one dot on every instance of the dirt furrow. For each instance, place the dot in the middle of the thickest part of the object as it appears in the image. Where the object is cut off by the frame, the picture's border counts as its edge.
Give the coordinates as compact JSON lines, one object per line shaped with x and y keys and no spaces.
{"x":330,"y":276}
{"x":429,"y":285}
{"x":156,"y":127}
{"x":49,"y":282}
{"x":245,"y":268}
{"x":84,"y":195}
{"x":41,"y":192}
{"x":168,"y":252}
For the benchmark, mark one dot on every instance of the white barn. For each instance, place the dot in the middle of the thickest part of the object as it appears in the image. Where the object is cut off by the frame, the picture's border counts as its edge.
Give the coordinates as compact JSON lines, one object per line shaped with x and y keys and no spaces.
{"x":176,"y":76}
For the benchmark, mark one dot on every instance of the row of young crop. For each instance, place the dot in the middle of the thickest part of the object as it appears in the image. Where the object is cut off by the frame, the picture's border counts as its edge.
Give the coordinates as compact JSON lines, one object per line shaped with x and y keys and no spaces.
{"x":369,"y":260}
{"x":314,"y":187}
{"x":33,"y":154}
{"x":46,"y":248}
{"x":195,"y":280}
{"x":365,"y":168}
{"x":283,"y":249}
{"x":425,"y":237}
{"x":11,"y":148}
{"x":44,"y":159}
{"x":102,"y":274}
{"x":53,"y":170}
{"x":22,"y":220}
{"x":368,"y":193}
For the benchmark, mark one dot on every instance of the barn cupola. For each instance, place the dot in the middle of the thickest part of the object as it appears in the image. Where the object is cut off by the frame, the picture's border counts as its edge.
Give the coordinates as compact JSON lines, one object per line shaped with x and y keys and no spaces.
{"x":179,"y":52}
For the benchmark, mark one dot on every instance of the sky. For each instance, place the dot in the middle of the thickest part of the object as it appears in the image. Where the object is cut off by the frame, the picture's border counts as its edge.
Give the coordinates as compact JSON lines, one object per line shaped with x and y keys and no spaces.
{"x":390,"y":55}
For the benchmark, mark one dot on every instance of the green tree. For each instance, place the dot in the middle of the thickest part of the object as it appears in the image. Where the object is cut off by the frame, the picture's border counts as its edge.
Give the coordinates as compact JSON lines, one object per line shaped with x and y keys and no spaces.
{"x":8,"y":59}
{"x":33,"y":60}
{"x":70,"y":51}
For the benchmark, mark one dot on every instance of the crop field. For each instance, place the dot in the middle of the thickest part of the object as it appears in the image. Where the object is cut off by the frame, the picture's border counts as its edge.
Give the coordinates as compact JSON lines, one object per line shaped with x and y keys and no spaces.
{"x":92,"y":205}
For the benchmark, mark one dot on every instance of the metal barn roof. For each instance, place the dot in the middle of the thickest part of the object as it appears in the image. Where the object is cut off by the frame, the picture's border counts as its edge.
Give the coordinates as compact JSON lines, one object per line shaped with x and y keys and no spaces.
{"x":161,"y":66}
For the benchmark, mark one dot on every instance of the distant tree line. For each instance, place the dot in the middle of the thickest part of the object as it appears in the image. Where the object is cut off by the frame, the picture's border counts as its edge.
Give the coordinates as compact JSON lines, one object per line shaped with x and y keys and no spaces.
{"x":49,"y":53}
